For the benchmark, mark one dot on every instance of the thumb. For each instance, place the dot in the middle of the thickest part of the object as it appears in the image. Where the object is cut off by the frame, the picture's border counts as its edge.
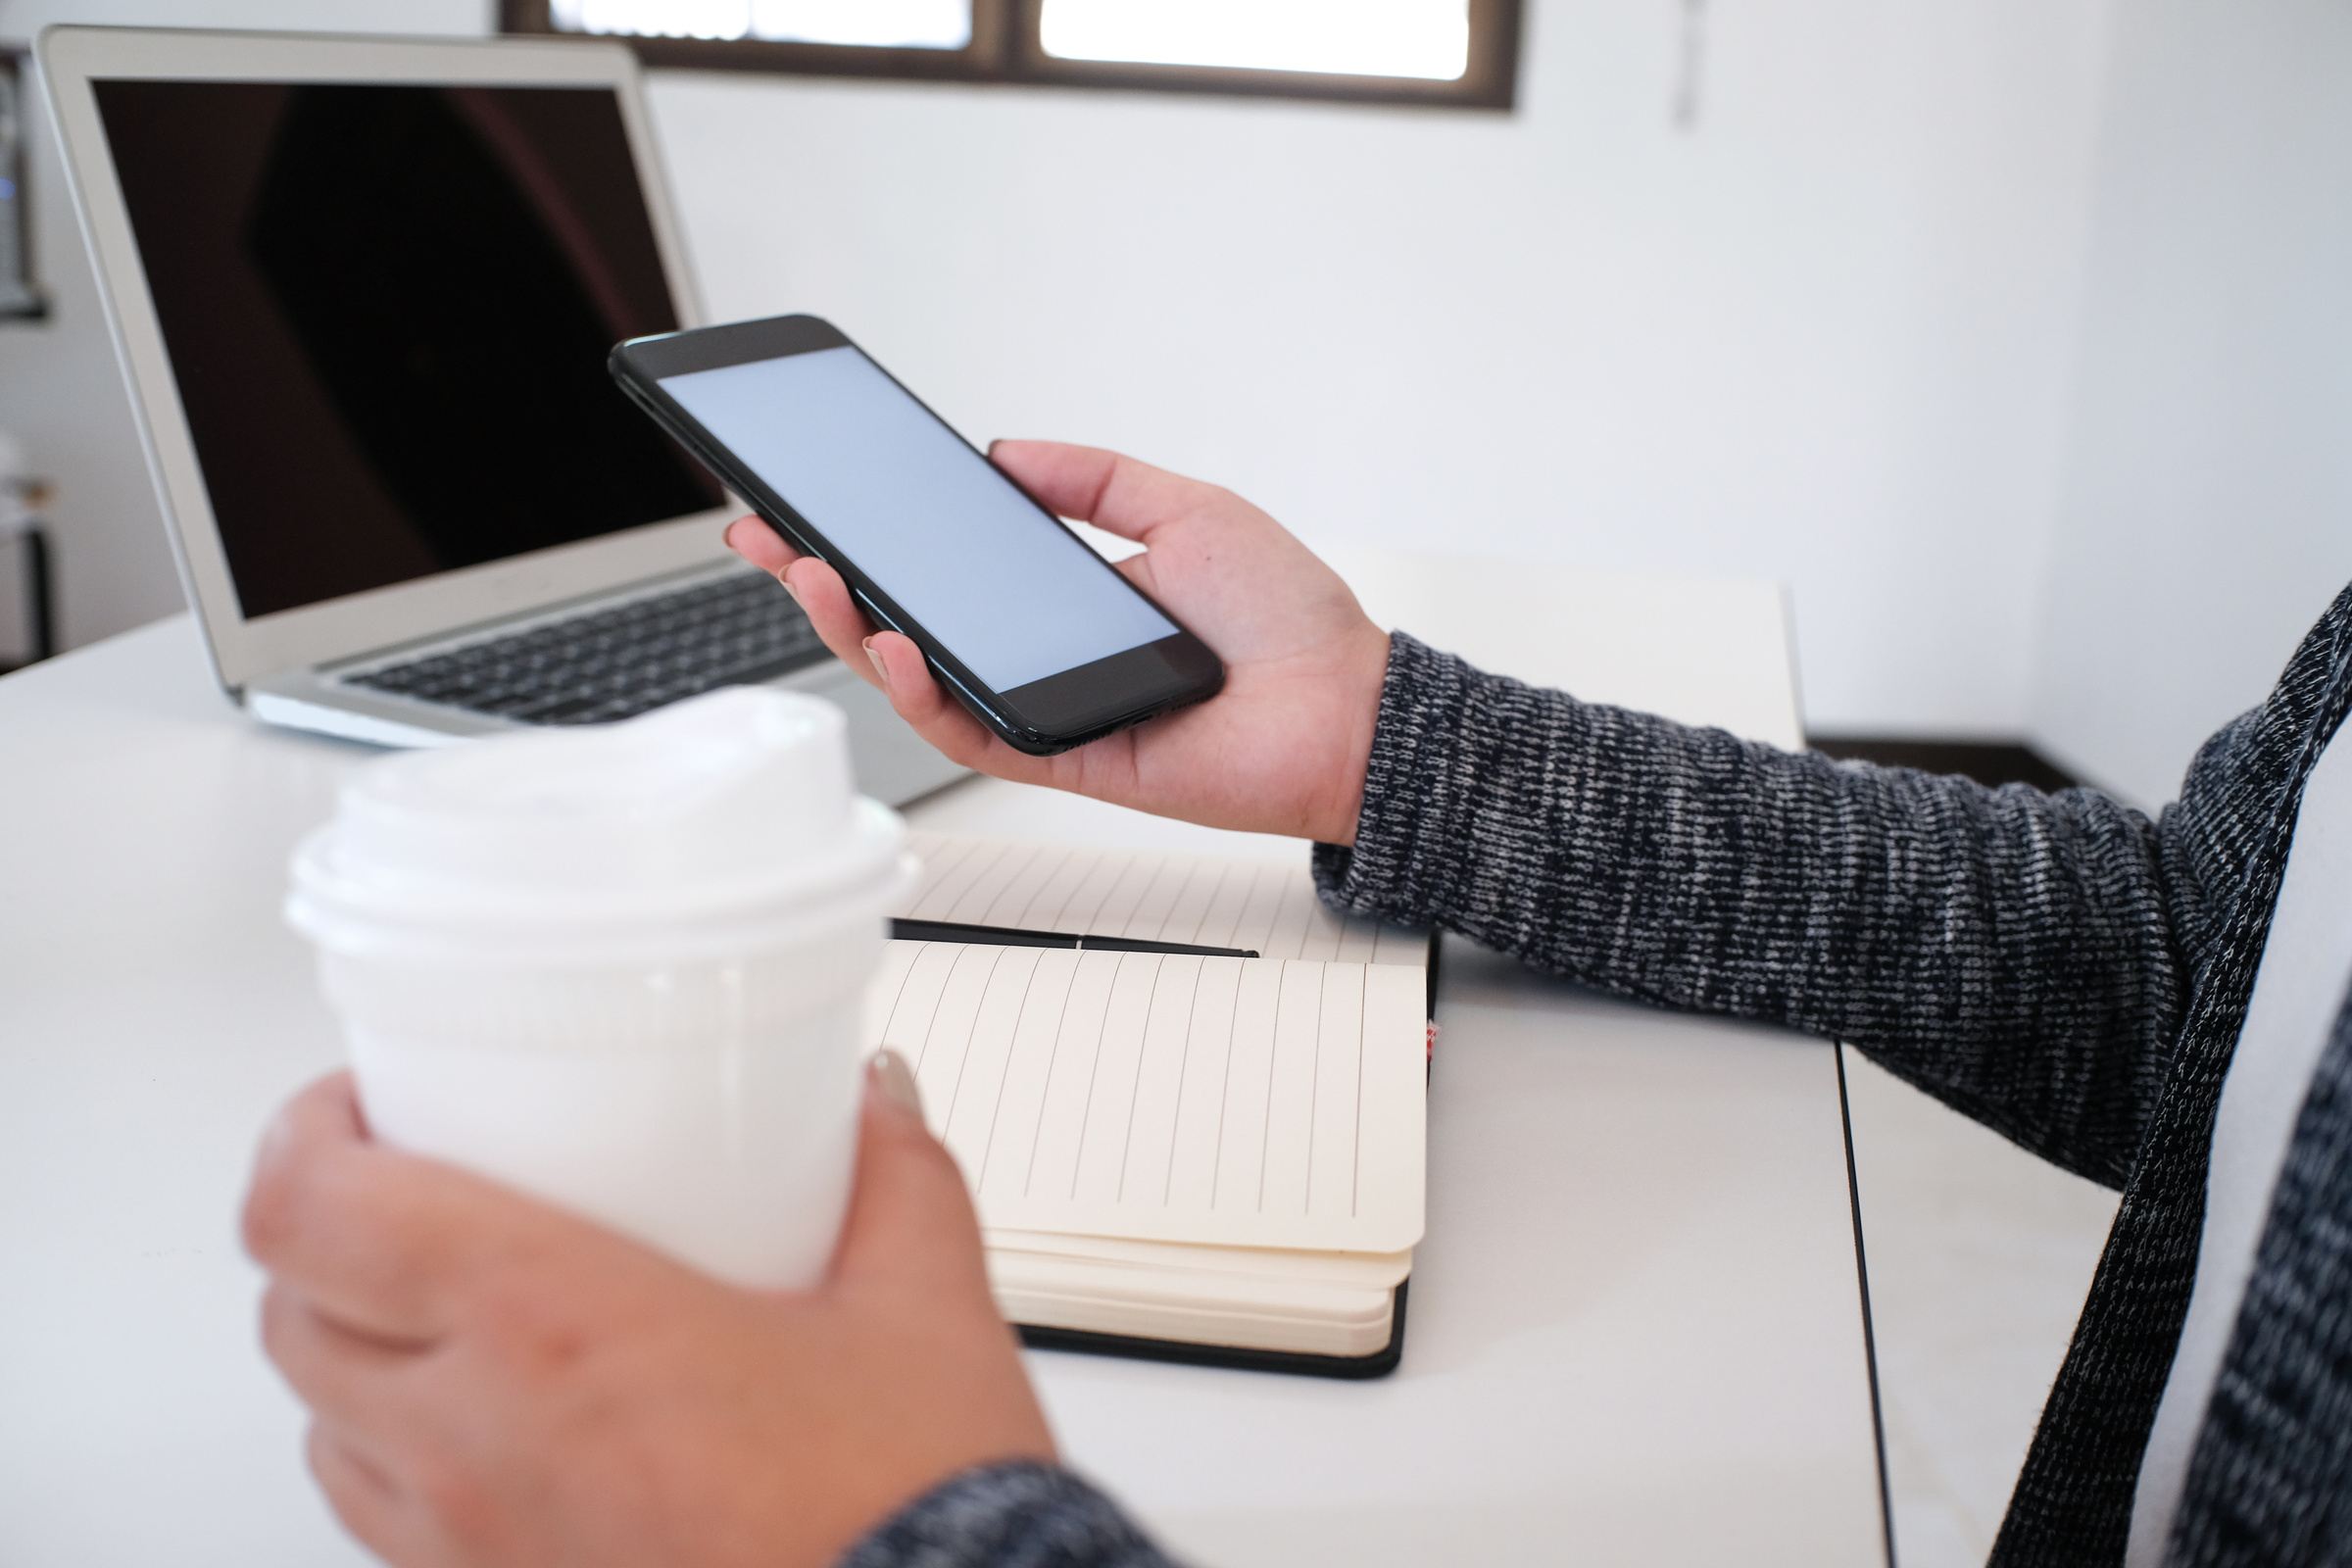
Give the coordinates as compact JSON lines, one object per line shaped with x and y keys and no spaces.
{"x":911,"y":1220}
{"x":1117,"y":494}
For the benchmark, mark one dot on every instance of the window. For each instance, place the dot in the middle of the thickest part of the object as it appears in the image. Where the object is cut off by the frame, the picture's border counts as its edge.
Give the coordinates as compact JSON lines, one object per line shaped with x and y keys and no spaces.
{"x":1457,"y":52}
{"x":20,"y":297}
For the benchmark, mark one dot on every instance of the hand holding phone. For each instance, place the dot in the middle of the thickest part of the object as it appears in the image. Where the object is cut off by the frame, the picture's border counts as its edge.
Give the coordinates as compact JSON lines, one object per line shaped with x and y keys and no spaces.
{"x":1037,"y":636}
{"x":1282,"y":747}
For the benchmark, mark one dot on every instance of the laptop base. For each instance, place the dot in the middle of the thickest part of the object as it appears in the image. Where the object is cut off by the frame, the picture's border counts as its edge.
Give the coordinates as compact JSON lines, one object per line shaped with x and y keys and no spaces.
{"x":893,"y":764}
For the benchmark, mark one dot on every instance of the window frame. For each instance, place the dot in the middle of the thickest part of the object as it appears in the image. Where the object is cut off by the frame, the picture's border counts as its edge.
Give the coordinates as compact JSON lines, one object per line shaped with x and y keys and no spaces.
{"x":1006,"y":48}
{"x":33,"y":303}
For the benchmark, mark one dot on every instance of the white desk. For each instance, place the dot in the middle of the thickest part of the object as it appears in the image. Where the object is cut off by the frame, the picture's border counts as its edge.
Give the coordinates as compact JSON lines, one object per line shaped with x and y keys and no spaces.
{"x":1633,"y":1331}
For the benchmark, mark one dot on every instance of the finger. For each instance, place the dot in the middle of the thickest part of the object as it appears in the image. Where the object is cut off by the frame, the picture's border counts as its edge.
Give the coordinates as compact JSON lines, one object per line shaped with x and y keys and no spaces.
{"x":756,"y":542}
{"x":347,"y":1222}
{"x":324,"y":1112}
{"x":386,"y":1244}
{"x":887,"y":1072}
{"x":911,"y":1220}
{"x":918,"y":697}
{"x":365,"y":1497}
{"x":339,"y":1373}
{"x":922,"y":702}
{"x":833,"y":613}
{"x":313,"y":1131}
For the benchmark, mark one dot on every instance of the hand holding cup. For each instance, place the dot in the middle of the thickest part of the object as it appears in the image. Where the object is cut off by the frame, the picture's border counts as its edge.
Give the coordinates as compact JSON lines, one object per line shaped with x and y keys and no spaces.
{"x":496,"y":1382}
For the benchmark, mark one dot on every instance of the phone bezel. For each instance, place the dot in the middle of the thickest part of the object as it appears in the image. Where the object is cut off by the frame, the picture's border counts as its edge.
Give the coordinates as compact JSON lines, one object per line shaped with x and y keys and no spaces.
{"x":1042,"y":718}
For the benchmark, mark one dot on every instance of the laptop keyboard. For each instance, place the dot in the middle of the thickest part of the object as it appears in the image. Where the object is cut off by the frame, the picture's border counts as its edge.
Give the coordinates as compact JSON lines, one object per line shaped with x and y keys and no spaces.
{"x":616,"y":664}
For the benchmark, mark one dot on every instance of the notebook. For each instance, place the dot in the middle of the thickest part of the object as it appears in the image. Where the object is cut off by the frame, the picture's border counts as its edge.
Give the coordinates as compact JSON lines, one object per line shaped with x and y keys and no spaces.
{"x":1174,"y":1155}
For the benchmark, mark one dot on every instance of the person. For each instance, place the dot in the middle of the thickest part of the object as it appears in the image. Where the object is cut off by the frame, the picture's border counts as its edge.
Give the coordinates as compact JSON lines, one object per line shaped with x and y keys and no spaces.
{"x":494,"y":1382}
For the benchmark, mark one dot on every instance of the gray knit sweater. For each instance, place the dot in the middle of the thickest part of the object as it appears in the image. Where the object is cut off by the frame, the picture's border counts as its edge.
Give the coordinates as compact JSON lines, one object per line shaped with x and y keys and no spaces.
{"x":2056,"y":966}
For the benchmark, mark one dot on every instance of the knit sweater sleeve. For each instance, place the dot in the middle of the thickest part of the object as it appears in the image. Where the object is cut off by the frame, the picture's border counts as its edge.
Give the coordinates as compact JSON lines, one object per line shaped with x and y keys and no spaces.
{"x":2007,"y":951}
{"x":1021,"y":1514}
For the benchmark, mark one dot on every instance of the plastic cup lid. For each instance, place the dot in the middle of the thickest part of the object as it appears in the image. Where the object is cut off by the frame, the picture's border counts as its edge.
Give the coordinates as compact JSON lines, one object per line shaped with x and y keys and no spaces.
{"x":732,"y":810}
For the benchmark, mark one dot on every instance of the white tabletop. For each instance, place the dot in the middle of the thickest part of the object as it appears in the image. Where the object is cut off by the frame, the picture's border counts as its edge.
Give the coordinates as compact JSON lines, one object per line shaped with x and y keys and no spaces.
{"x":1633,"y":1335}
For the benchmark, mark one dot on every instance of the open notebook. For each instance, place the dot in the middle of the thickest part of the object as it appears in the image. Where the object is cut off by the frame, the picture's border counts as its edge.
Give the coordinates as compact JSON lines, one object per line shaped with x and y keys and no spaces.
{"x":1195,"y":1157}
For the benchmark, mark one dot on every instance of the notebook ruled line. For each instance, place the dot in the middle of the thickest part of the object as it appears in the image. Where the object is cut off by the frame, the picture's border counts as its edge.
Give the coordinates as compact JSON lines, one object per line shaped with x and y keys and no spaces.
{"x":995,"y":1115}
{"x":1355,"y":1166}
{"x":1053,"y":1063}
{"x":932,"y":1021}
{"x":964,"y":1062}
{"x":1094,"y":1068}
{"x":1184,"y":1062}
{"x":1135,"y":1088}
{"x":1266,"y":1121}
{"x":1314,"y":1081}
{"x":1216,"y":1168}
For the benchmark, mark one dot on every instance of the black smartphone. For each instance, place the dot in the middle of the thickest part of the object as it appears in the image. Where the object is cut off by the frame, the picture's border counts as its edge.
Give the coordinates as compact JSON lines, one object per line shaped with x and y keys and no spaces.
{"x":1033,"y":632}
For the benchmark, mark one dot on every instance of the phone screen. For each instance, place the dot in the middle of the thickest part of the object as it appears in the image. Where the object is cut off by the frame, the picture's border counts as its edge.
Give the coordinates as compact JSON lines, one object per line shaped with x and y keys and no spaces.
{"x":1015,"y":595}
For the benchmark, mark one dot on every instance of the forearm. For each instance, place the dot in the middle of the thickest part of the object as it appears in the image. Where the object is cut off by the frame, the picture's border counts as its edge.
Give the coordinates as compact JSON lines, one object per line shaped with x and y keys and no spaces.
{"x":1019,"y":1515}
{"x":2006,"y":950}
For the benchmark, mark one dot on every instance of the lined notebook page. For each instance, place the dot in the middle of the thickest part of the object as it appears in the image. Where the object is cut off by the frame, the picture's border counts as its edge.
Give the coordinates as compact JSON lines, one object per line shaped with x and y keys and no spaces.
{"x":1228,"y":1101}
{"x":1262,"y":907}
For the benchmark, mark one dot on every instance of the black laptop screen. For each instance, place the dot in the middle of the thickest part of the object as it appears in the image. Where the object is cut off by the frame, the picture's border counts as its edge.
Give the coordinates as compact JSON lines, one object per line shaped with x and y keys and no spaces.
{"x":387,"y":310}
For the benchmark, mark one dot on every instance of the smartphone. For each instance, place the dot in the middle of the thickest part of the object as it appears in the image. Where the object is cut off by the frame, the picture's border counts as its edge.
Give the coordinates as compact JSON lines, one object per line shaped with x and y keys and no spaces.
{"x":1041,"y":638}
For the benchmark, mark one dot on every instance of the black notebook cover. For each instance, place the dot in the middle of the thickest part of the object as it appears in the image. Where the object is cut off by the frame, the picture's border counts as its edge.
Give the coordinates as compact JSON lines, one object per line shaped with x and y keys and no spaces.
{"x":1379,"y":1364}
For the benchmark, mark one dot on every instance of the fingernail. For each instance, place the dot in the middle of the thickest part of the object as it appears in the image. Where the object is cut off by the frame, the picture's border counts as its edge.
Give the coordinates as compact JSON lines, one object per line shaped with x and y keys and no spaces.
{"x":880,"y":668}
{"x":896,"y":1080}
{"x":788,"y":587}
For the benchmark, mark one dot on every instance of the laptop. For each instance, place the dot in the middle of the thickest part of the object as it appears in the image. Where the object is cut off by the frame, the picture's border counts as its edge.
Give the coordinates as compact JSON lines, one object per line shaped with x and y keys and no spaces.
{"x":363,"y":290}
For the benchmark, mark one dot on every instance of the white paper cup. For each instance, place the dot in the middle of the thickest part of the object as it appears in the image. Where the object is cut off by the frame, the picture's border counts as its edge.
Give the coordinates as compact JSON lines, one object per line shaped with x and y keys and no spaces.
{"x":620,"y":967}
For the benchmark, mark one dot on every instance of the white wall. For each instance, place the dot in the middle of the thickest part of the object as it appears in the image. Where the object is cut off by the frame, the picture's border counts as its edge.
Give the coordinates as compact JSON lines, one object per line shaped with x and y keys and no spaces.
{"x":2208,"y":507}
{"x":1825,"y":340}
{"x":61,"y":392}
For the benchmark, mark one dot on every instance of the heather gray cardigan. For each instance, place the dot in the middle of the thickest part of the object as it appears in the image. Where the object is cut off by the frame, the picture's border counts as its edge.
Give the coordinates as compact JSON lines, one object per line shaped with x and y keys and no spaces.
{"x":2056,"y":966}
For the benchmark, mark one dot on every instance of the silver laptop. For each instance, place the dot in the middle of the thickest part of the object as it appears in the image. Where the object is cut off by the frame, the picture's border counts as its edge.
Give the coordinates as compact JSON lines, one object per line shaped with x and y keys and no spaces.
{"x":362,"y":289}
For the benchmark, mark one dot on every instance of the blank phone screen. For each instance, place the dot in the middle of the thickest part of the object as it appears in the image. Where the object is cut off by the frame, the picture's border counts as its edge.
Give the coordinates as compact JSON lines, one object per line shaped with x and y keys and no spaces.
{"x":1003,"y":586}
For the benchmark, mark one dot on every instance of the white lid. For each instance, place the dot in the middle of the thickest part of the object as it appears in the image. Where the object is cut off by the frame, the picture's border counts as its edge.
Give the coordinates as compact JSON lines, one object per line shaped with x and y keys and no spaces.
{"x":727,"y":819}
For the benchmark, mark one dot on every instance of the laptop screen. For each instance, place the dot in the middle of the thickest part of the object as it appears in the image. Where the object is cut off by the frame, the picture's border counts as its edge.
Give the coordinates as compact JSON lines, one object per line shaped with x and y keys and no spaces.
{"x":387,"y":310}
